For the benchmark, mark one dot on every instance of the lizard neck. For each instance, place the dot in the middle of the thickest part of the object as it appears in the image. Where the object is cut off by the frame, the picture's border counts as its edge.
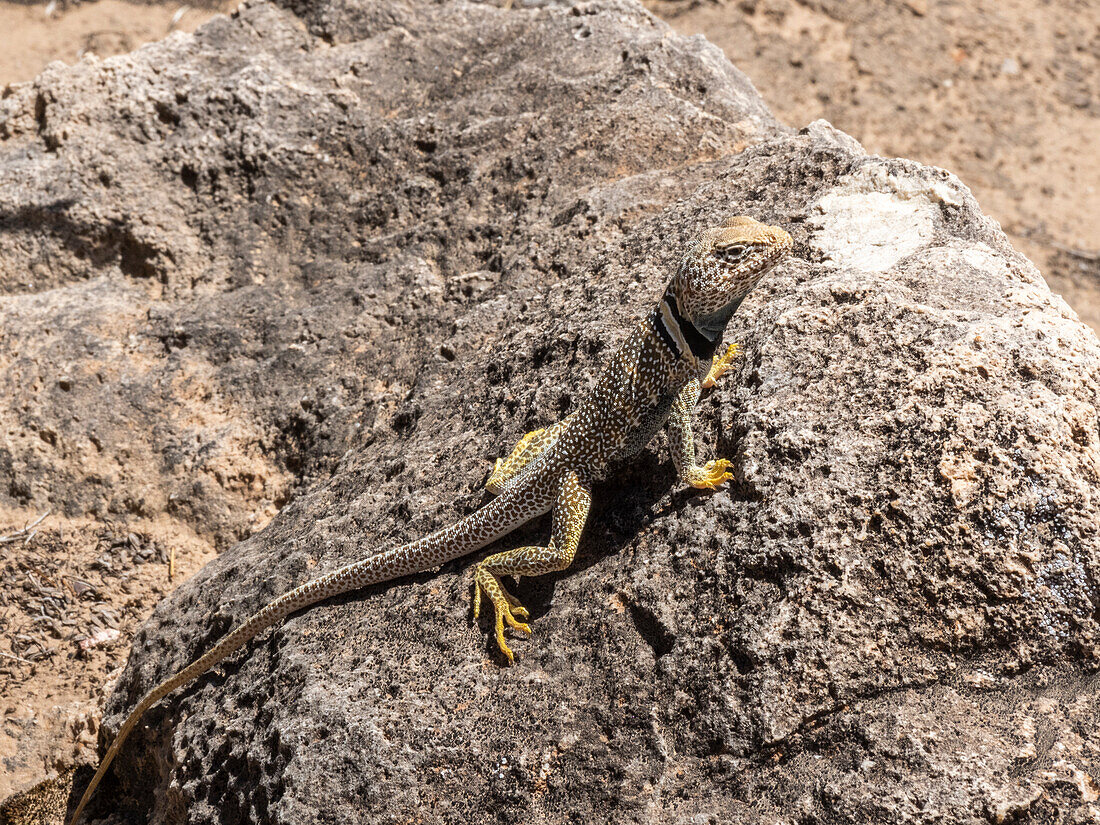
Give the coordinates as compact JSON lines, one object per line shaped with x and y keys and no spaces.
{"x":712,"y":326}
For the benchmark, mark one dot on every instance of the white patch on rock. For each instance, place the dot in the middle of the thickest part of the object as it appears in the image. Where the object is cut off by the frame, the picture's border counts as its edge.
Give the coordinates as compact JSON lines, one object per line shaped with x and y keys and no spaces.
{"x":872,"y":218}
{"x":981,"y":256}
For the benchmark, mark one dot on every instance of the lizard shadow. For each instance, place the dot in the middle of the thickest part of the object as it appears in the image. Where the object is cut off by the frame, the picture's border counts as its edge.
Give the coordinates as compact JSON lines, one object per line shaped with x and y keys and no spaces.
{"x":638,"y":494}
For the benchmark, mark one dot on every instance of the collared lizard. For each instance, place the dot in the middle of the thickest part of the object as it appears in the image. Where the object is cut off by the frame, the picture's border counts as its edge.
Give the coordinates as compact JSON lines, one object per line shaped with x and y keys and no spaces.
{"x":654,"y":377}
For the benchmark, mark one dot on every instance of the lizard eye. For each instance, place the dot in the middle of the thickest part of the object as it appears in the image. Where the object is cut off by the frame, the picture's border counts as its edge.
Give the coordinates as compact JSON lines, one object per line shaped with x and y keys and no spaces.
{"x":731,"y":254}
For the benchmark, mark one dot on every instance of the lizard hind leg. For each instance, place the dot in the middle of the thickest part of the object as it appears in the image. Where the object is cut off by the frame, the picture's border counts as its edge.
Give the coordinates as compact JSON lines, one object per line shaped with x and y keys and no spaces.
{"x":505,"y":469}
{"x":527,"y":449}
{"x":570,"y":514}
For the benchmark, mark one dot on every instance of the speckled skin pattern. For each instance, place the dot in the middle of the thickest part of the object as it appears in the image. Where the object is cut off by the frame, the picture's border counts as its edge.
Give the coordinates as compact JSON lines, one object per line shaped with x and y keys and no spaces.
{"x":656,"y":376}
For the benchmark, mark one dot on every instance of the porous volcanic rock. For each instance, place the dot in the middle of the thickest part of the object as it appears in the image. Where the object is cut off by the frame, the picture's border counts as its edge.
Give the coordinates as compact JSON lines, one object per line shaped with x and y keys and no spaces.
{"x":364,"y":247}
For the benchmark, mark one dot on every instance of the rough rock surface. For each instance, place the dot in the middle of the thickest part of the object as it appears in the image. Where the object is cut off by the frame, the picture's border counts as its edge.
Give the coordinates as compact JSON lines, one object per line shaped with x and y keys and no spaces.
{"x":366,"y":247}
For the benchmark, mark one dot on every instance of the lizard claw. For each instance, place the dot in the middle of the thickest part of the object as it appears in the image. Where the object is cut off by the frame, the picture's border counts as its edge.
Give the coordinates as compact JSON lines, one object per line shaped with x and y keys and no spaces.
{"x":710,"y":476}
{"x":719,"y":366}
{"x":506,"y":607}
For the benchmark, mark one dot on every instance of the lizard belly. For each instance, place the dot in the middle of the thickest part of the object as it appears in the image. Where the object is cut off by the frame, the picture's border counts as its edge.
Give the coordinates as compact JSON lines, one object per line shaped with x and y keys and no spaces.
{"x":615,"y":444}
{"x":651,"y":422}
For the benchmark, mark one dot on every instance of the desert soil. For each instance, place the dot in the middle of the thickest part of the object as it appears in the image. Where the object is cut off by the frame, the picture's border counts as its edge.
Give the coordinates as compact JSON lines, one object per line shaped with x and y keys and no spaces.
{"x":36,"y":34}
{"x":74,"y":592}
{"x":1004,"y":94}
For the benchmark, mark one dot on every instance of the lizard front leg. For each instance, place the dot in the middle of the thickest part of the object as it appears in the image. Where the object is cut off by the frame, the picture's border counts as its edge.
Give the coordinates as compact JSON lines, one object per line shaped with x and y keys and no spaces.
{"x":682,"y":442}
{"x":570,"y":513}
{"x":719,"y":365}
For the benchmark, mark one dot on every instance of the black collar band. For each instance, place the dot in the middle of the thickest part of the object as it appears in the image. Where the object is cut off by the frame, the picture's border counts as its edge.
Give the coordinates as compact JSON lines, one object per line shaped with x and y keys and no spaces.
{"x":701,"y":346}
{"x":665,"y":335}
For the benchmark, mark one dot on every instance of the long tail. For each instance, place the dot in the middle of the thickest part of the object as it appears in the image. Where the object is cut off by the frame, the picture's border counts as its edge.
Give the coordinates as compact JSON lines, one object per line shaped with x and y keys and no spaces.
{"x":492,"y":521}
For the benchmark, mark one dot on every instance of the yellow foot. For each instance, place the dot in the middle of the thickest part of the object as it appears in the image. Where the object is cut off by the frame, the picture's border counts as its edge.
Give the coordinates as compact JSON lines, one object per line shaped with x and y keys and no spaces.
{"x":505,"y":605}
{"x":719,"y":366}
{"x":710,"y":476}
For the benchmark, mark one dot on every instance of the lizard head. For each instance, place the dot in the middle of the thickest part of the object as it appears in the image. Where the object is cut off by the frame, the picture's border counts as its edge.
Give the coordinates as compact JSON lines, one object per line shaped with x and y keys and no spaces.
{"x":721,"y":267}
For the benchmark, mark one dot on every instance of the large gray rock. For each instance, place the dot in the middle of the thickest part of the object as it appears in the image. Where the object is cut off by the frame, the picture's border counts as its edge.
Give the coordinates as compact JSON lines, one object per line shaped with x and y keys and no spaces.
{"x":365,"y":247}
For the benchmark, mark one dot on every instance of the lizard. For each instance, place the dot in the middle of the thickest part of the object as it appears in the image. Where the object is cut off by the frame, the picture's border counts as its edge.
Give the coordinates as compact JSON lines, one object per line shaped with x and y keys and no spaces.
{"x":656,"y":376}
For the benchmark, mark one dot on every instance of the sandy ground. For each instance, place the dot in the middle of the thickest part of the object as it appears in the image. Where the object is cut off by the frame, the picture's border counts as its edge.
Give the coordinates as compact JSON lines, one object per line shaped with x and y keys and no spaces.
{"x":1005,"y":94}
{"x":73,"y":593}
{"x":35,"y":34}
